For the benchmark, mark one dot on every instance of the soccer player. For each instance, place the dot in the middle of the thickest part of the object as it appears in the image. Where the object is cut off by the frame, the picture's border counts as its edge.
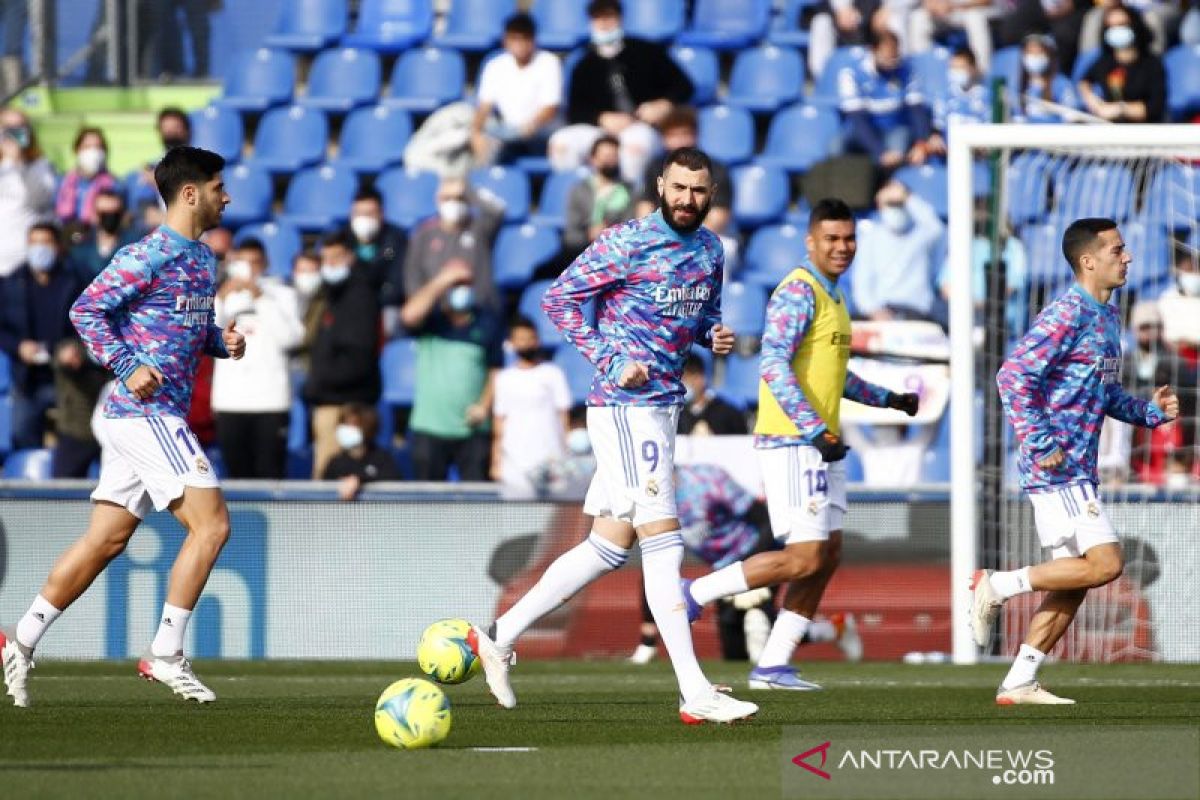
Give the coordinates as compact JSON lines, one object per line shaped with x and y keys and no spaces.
{"x":803,"y":378}
{"x":148,"y":317}
{"x":657,"y":283}
{"x":1057,"y":386}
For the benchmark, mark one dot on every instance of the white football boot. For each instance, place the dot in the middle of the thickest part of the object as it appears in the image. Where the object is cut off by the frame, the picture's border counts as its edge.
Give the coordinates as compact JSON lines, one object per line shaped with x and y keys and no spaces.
{"x":715,"y":706}
{"x":1030,"y":694}
{"x":175,"y":672}
{"x":848,"y":639}
{"x":16,"y":669}
{"x":985,"y":606}
{"x":496,"y":661}
{"x":643,"y":654}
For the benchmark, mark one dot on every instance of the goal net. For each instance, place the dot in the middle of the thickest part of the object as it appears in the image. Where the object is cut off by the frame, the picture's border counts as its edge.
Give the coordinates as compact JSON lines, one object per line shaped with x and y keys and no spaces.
{"x":1013,"y":191}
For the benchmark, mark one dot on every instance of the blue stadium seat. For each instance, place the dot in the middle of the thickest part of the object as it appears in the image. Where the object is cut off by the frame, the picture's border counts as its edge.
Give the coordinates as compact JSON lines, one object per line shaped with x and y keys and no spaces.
{"x":475,"y":25}
{"x":1097,"y":190}
{"x":28,"y":465}
{"x":552,"y":203}
{"x":398,"y":368}
{"x":308,"y":25}
{"x":341,"y":79}
{"x":408,"y":197}
{"x":250,"y":195}
{"x":930,"y":67}
{"x":219,"y":129}
{"x":561,"y":24}
{"x":773,"y":252}
{"x":5,"y":373}
{"x":1006,"y":64}
{"x":373,"y":138}
{"x":319,"y":197}
{"x":930,"y":183}
{"x":765,"y":78}
{"x":426,"y":78}
{"x":1084,"y":62}
{"x":290,"y":138}
{"x":5,"y":423}
{"x":509,"y":184}
{"x":520,"y":250}
{"x":579,"y":372}
{"x":530,"y":305}
{"x":727,"y":133}
{"x":1043,"y":250}
{"x":825,"y":86}
{"x":1173,"y":192}
{"x":653,"y":20}
{"x":744,"y":307}
{"x":854,"y":467}
{"x":760,"y":195}
{"x":701,"y":66}
{"x":1182,"y":64}
{"x":740,"y":383}
{"x":787,"y":149}
{"x":1028,"y":188}
{"x":261,"y":79}
{"x":786,"y":30}
{"x":1148,"y":242}
{"x":281,"y":240}
{"x":727,"y":24}
{"x":391,"y":26}
{"x":297,"y":440}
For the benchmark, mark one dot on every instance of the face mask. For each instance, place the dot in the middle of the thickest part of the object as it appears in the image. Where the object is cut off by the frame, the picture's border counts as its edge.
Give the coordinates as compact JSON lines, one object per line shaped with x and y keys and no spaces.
{"x":335,"y":273}
{"x":1035,"y":63}
{"x":1119,"y":37}
{"x":40,"y":257}
{"x":578,"y":441}
{"x":529,"y":353}
{"x":1189,"y":283}
{"x":608,"y":38}
{"x":90,"y":160}
{"x":453,"y":212}
{"x":1178,"y":480}
{"x":365,"y":228}
{"x":959,"y":78}
{"x":461,"y":298}
{"x":689,"y":394}
{"x":610,"y":171}
{"x":307,"y":283}
{"x":109,"y":221}
{"x":1145,"y":369}
{"x":240,"y":270}
{"x":894,"y":218}
{"x":173,"y":141}
{"x":349,"y":436}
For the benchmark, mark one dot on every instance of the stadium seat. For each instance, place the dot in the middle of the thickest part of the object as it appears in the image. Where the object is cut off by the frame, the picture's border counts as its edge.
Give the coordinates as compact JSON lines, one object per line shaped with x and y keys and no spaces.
{"x":760,"y":195}
{"x":520,"y":250}
{"x":426,"y":78}
{"x":530,"y":305}
{"x":579,"y":372}
{"x":930,"y":183}
{"x":1182,"y":64}
{"x":701,"y":66}
{"x":1084,"y":62}
{"x":930,"y":67}
{"x":408,"y":197}
{"x":373,"y":138}
{"x":740,"y":383}
{"x":281,"y":240}
{"x":308,"y":25}
{"x":1028,"y":188}
{"x":398,"y":369}
{"x":219,"y":129}
{"x":319,"y":197}
{"x":821,"y":137}
{"x":726,"y":133}
{"x":744,"y":307}
{"x":1006,"y":64}
{"x":391,"y":26}
{"x":5,"y":373}
{"x":509,"y":184}
{"x":250,"y":195}
{"x":653,"y":20}
{"x":1172,"y":196}
{"x":341,"y":79}
{"x":1148,"y":242}
{"x":773,"y":252}
{"x":1044,"y":254}
{"x":28,"y":465}
{"x":825,"y":86}
{"x":5,"y":423}
{"x":261,"y":79}
{"x":766,"y":78}
{"x":786,"y":30}
{"x":475,"y":25}
{"x":297,"y":440}
{"x":290,"y":138}
{"x":561,"y":24}
{"x":1096,"y":190}
{"x":552,"y":203}
{"x":727,"y":24}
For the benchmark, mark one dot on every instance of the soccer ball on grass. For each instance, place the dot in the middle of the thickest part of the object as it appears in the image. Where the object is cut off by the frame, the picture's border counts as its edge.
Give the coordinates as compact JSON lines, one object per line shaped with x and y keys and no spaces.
{"x":412,"y":713}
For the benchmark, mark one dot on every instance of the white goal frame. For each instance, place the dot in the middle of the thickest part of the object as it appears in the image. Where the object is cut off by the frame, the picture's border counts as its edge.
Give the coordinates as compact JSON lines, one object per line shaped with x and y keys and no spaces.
{"x":964,"y":139}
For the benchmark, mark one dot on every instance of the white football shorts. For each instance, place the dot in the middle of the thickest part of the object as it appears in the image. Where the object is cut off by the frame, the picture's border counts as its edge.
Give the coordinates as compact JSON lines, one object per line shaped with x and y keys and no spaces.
{"x":145,"y":462}
{"x":1070,"y":520}
{"x":806,"y":497}
{"x":635,"y":463}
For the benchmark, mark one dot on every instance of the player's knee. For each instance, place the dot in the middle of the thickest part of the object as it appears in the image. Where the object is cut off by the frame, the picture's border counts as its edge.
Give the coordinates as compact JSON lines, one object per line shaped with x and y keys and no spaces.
{"x":213,"y":533}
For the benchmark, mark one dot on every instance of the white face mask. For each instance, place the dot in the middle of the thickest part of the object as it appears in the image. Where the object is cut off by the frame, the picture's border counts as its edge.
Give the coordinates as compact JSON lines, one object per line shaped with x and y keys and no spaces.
{"x":578,"y":441}
{"x":240,"y":270}
{"x":1119,"y":37}
{"x":1145,"y":368}
{"x":1035,"y":63}
{"x":959,"y":78}
{"x":1178,"y":480}
{"x":90,"y":160}
{"x":461,"y":298}
{"x":1189,"y":283}
{"x":307,"y":283}
{"x":365,"y":228}
{"x":349,"y":436}
{"x":894,"y":218}
{"x":608,"y":43}
{"x":335,"y":273}
{"x":40,"y":257}
{"x":453,"y":212}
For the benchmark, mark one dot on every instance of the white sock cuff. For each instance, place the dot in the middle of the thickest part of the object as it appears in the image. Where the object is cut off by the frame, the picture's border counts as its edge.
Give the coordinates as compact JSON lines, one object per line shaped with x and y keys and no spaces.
{"x":1031,"y":652}
{"x":664,"y":542}
{"x":609,"y":553}
{"x":176,"y":613}
{"x":44,"y":606}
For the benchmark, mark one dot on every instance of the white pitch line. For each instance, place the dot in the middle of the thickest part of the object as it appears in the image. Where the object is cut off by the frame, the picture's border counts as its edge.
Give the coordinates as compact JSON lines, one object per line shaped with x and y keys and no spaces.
{"x":504,"y":749}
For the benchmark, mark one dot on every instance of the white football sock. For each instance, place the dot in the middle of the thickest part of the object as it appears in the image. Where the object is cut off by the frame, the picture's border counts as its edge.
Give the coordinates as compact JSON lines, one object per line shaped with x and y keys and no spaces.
{"x":1011,"y":583}
{"x":725,"y":582}
{"x":1024,"y":668}
{"x":821,"y":630}
{"x":570,"y":572}
{"x":661,"y":557}
{"x":37,"y":619}
{"x":787,"y":632}
{"x":171,"y":628}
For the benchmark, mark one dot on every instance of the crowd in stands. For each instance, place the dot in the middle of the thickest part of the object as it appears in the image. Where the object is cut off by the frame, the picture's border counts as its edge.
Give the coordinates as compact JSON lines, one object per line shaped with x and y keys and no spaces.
{"x":392,"y":319}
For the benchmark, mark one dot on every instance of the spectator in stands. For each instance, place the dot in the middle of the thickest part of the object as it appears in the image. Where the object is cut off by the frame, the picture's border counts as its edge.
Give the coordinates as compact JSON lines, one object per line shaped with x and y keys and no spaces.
{"x":34,"y":302}
{"x":529,"y":413}
{"x":110,"y":234}
{"x":380,"y":245}
{"x":76,"y":203}
{"x":199,"y":28}
{"x":678,"y":129}
{"x":600,"y":200}
{"x":1180,"y":306}
{"x":252,"y":397}
{"x":884,"y":106}
{"x":1127,"y":83}
{"x":1016,"y":273}
{"x":306,"y":280}
{"x":1040,"y":81}
{"x":344,"y":365}
{"x":936,"y":18}
{"x":705,"y":414}
{"x":457,"y":359}
{"x":622,"y":86}
{"x":1162,"y":19}
{"x":359,"y":460}
{"x":520,"y":92}
{"x":894,"y":271}
{"x":1189,"y":27}
{"x":841,"y":23}
{"x":464,"y":230}
{"x":77,"y":384}
{"x":1060,"y":18}
{"x":966,"y":99}
{"x":220,"y":241}
{"x":26,"y":187}
{"x":174,"y":130}
{"x":14,"y":19}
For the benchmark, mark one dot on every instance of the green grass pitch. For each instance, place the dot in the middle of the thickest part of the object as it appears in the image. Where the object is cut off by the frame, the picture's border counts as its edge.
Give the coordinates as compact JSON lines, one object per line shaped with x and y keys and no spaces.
{"x":601,"y":730}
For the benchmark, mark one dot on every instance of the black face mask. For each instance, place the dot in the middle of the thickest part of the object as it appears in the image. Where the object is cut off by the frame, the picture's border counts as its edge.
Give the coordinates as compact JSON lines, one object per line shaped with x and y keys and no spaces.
{"x":610,"y":171}
{"x":174,"y":141}
{"x":109,"y":221}
{"x":530,"y":354}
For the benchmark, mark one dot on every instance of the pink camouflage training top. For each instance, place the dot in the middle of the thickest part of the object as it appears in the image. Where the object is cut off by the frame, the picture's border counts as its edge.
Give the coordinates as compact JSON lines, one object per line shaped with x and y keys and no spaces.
{"x":657,"y":292}
{"x":152,"y":305}
{"x":1059,"y":383}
